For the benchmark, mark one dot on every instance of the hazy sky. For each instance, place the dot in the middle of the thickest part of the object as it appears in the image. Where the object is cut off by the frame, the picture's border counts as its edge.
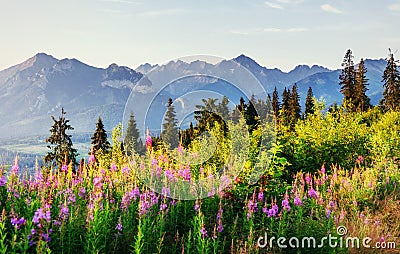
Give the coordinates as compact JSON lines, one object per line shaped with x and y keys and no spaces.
{"x":276,"y":33}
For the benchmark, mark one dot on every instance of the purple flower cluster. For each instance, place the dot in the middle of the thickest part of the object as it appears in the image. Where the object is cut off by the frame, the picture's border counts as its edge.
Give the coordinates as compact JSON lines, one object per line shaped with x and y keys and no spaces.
{"x":272,"y":212}
{"x":260,"y":196}
{"x":185,"y":173}
{"x":147,"y":200}
{"x":97,"y":182}
{"x":64,"y":168}
{"x":64,"y":213}
{"x":41,"y":214}
{"x":203,"y":231}
{"x":297,"y":201}
{"x":169,"y":174}
{"x":220,"y":226}
{"x":18,"y":222}
{"x":3,"y":181}
{"x":285,"y":204}
{"x":128,"y":197}
{"x":126,"y":170}
{"x":119,"y":227}
{"x":312,"y":193}
{"x":251,"y":208}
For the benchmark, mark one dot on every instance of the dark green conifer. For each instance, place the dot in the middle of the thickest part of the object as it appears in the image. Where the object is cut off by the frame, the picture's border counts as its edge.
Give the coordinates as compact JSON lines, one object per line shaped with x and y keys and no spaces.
{"x":391,"y":84}
{"x":99,"y":139}
{"x":170,"y":133}
{"x":309,"y":107}
{"x":361,"y":100}
{"x":60,"y":143}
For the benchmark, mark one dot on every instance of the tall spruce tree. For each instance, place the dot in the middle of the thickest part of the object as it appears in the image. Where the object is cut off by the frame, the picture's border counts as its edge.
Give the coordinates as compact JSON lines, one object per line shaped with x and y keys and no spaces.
{"x":391,"y":84}
{"x":132,"y":141}
{"x":276,"y":105}
{"x":60,"y":144}
{"x":361,"y":100}
{"x":251,"y":116}
{"x":99,"y":139}
{"x":170,"y":133}
{"x":347,"y":80}
{"x":309,"y":106}
{"x":284,"y":113}
{"x":294,"y":106}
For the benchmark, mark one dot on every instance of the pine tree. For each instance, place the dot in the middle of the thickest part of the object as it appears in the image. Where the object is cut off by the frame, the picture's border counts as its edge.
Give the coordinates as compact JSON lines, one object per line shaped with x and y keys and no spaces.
{"x":60,"y":143}
{"x":276,"y":106}
{"x":251,"y":116}
{"x":284,"y":113}
{"x":170,"y":133}
{"x":361,"y":100}
{"x":132,"y":141}
{"x":391,"y":84}
{"x":239,"y":110}
{"x":99,"y":139}
{"x":347,"y":79}
{"x":309,"y":107}
{"x":286,"y":99}
{"x":294,"y":106}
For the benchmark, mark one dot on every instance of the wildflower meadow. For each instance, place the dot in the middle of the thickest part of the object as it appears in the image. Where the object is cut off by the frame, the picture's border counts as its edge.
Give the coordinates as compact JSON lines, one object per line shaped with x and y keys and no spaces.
{"x":335,"y":170}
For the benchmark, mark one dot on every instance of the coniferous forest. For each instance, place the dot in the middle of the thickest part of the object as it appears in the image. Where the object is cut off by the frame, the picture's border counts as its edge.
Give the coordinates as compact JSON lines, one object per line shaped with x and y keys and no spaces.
{"x":330,"y":173}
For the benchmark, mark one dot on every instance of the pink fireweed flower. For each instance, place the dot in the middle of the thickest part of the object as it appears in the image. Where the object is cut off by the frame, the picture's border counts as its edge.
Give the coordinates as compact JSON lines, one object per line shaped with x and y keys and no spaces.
{"x":128,"y":197}
{"x":147,"y":200}
{"x":82,"y":192}
{"x":91,"y":159}
{"x":273,"y":211}
{"x":163,"y":207}
{"x":323,"y":171}
{"x":360,"y":159}
{"x":251,"y":208}
{"x":165,"y":191}
{"x":46,"y":237}
{"x":41,"y":214}
{"x":126,"y":170}
{"x":297,"y":201}
{"x":113,"y":167}
{"x":169,"y":174}
{"x":97,"y":182}
{"x":203,"y":231}
{"x":260,"y":196}
{"x":15,"y":169}
{"x":328,"y":213}
{"x":64,"y":168}
{"x":18,"y":222}
{"x":196,"y":207}
{"x":220,"y":226}
{"x":308,"y":179}
{"x":285,"y":204}
{"x":3,"y":181}
{"x":119,"y":227}
{"x":180,"y":149}
{"x":149,"y":141}
{"x":64,"y":213}
{"x":312,"y":193}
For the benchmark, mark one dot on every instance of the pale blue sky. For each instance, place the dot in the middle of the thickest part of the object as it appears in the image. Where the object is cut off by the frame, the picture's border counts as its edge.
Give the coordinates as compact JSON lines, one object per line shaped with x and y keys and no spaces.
{"x":276,"y":33}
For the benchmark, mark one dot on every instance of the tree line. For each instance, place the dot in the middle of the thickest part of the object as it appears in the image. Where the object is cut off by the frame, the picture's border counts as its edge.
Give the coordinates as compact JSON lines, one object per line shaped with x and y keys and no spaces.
{"x":214,"y":114}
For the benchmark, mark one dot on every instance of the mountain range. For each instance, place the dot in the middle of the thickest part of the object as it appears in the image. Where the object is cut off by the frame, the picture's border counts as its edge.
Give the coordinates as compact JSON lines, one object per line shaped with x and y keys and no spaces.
{"x":34,"y":90}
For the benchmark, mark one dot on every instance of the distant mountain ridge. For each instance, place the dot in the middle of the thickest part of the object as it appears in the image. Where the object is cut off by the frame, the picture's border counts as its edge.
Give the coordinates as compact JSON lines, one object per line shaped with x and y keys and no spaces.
{"x":37,"y":88}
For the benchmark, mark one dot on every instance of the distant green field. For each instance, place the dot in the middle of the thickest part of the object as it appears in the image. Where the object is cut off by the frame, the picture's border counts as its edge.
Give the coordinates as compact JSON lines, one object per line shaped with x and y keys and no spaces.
{"x":41,"y":149}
